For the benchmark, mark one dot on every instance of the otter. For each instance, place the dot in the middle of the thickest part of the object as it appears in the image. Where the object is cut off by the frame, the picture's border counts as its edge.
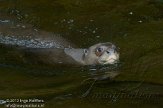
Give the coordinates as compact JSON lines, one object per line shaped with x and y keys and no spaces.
{"x":50,"y":48}
{"x":98,"y":54}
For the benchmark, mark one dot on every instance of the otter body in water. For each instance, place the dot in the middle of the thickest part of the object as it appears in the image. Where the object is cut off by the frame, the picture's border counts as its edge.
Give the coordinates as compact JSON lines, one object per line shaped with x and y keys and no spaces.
{"x":98,"y":54}
{"x":49,"y":48}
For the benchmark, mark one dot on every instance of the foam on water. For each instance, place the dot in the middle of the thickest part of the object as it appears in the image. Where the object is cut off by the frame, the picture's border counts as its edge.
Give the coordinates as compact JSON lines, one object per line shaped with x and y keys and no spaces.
{"x":25,"y":35}
{"x":29,"y":43}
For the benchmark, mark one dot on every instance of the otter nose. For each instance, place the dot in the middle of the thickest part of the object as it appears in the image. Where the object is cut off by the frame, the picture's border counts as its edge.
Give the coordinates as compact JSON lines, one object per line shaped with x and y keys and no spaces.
{"x":107,"y":52}
{"x":110,"y":51}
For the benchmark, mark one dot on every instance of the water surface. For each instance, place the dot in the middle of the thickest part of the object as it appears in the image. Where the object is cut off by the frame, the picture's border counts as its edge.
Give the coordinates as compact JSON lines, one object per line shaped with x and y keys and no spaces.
{"x":136,"y":27}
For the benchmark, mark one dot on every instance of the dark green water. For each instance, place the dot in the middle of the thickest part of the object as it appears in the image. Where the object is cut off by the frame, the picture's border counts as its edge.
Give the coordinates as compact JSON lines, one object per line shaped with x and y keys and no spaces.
{"x":135,"y":26}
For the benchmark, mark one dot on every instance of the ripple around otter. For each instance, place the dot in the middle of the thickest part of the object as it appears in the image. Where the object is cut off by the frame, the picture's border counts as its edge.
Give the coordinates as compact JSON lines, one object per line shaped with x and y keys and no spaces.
{"x":29,"y":43}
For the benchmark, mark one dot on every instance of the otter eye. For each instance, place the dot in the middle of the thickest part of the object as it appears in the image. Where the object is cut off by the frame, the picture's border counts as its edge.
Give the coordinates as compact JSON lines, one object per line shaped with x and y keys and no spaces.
{"x":99,"y":49}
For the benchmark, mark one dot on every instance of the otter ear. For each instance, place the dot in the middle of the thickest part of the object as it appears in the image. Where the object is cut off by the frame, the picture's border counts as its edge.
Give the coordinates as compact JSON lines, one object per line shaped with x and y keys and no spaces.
{"x":85,"y":52}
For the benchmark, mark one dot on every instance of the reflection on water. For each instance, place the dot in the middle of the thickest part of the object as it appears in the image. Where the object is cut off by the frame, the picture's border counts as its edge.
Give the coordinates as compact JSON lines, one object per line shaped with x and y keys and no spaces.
{"x":134,"y":26}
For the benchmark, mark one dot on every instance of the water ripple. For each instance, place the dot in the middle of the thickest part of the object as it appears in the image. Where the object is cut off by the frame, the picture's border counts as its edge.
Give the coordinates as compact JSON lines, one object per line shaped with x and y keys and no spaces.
{"x":29,"y":43}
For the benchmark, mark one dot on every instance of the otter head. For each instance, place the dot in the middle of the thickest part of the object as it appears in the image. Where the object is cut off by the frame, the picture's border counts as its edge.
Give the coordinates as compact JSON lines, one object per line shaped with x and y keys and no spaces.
{"x":102,"y":53}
